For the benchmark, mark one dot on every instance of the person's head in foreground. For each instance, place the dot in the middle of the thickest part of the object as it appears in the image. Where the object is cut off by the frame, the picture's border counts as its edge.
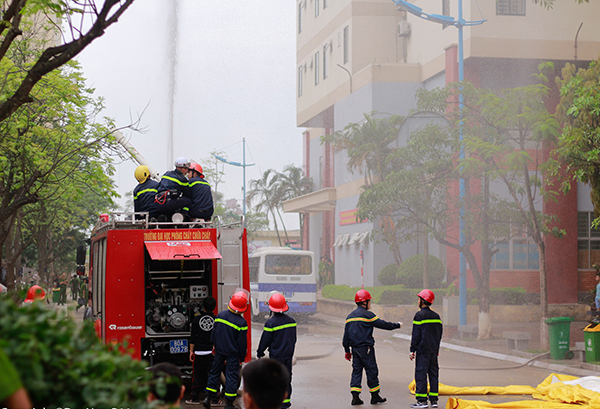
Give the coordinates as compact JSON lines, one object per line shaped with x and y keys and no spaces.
{"x":167,"y":385}
{"x":265,"y":384}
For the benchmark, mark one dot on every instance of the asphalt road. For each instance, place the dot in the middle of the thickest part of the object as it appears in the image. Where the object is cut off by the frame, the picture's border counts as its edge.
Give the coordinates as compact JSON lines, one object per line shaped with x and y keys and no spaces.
{"x":321,"y":375}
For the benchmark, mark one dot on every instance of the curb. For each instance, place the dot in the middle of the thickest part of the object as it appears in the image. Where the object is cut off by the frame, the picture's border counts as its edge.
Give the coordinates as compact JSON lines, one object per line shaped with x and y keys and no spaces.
{"x":564,"y":369}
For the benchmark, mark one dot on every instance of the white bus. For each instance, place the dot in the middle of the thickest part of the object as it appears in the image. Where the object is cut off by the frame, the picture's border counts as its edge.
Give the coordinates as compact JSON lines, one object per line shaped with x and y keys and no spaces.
{"x":291,"y":272}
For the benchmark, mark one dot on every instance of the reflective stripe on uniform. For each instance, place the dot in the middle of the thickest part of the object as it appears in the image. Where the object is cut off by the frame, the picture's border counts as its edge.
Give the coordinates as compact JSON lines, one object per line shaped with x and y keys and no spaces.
{"x":232,"y":325}
{"x":144,"y":191}
{"x":279,"y":327}
{"x":201,"y":182}
{"x":230,"y":395}
{"x":433,"y":394}
{"x":211,"y":390}
{"x":179,"y":182}
{"x":286,"y":401}
{"x":363,"y":319}
{"x":375,"y":389}
{"x":420,"y":395}
{"x":355,"y":389}
{"x":427,"y":322}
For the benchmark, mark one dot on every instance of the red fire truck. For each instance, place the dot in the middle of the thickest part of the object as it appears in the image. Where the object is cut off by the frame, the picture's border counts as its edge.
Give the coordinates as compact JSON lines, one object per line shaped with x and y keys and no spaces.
{"x":147,"y":281}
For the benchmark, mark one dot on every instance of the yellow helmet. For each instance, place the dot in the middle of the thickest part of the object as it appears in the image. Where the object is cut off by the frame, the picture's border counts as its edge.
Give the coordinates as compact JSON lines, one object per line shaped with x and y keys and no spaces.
{"x":142,"y":173}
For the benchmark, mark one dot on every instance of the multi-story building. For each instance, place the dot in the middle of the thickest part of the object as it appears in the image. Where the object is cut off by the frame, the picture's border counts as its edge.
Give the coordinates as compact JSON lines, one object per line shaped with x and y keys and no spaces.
{"x":361,"y":56}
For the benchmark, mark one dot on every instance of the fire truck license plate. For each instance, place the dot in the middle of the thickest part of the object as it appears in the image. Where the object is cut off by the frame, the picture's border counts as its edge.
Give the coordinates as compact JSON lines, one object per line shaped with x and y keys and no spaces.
{"x":178,"y":346}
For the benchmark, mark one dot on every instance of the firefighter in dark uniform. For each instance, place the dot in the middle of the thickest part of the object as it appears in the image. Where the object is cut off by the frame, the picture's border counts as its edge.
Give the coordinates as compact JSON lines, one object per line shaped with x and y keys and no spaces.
{"x":201,"y":194}
{"x":358,"y":336}
{"x":201,"y":348}
{"x":425,"y":344}
{"x":279,"y":336}
{"x":229,"y":339}
{"x":174,"y":190}
{"x":145,"y":192}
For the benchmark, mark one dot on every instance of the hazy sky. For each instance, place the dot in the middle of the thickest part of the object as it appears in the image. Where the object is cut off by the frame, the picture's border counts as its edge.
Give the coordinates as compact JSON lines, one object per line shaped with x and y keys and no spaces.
{"x":235,"y":78}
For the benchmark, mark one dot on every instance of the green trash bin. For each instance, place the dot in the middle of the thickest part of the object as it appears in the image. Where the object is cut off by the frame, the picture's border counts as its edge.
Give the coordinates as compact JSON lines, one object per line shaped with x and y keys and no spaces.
{"x":559,"y":329}
{"x":55,"y":295}
{"x":592,"y":343}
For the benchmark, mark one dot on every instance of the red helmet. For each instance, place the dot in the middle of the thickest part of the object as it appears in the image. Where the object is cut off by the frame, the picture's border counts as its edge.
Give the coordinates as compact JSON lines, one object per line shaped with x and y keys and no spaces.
{"x":277,"y":303}
{"x":427,"y":295}
{"x":196,"y":166}
{"x":362,"y":295}
{"x":104,"y":218}
{"x":238,"y":302}
{"x":35,"y":292}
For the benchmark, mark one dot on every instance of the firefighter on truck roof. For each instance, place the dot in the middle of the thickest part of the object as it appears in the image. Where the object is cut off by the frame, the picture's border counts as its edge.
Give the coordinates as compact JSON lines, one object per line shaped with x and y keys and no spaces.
{"x":145,"y":192}
{"x":174,"y":190}
{"x":358,"y":338}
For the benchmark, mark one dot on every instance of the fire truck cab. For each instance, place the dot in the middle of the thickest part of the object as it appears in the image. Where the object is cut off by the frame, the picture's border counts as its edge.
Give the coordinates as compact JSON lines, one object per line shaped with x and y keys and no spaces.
{"x":147,"y":281}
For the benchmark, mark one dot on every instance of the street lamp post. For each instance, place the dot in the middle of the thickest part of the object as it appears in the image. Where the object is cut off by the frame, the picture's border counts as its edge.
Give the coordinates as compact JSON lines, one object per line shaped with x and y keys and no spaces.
{"x":243,"y":165}
{"x":459,"y":24}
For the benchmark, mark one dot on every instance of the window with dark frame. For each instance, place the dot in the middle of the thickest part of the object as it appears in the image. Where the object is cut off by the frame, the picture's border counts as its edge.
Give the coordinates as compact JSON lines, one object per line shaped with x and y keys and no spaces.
{"x":317,"y":65}
{"x":588,"y":241}
{"x":445,"y":11}
{"x":346,"y":39}
{"x":299,"y":81}
{"x":299,"y":17}
{"x":510,"y":7}
{"x":325,"y":60}
{"x":517,"y":253}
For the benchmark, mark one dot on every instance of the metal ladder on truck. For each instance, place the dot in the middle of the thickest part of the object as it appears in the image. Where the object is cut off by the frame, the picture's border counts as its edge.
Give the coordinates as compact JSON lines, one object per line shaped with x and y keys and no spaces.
{"x":230,"y":268}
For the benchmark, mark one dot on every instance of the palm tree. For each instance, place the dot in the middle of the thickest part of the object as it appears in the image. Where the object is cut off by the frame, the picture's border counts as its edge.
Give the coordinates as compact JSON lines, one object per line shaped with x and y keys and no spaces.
{"x":293,"y":183}
{"x":266,"y":190}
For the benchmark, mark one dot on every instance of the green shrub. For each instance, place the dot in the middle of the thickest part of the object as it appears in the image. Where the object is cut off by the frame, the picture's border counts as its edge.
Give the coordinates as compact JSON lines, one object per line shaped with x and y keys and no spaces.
{"x":406,"y":296}
{"x":410,"y":272}
{"x":389,"y":275}
{"x":347,"y":293}
{"x":63,"y":364}
{"x":398,"y":295}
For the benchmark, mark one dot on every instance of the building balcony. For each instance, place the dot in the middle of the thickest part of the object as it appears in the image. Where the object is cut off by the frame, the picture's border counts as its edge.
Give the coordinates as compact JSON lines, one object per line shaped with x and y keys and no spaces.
{"x":320,"y":201}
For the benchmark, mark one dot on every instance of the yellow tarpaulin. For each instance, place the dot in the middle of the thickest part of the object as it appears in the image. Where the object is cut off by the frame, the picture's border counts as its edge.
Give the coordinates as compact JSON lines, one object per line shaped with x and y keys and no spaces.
{"x":455,"y":403}
{"x":555,"y":392}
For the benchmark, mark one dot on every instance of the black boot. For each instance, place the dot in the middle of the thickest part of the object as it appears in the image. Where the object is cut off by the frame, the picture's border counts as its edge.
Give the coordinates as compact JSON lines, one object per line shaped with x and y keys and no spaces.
{"x":376,"y":398}
{"x":206,"y":401}
{"x":229,"y":404}
{"x":356,"y":400}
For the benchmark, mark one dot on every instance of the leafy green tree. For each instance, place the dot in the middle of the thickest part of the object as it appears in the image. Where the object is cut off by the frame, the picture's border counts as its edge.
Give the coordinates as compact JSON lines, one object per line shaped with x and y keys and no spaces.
{"x":64,"y":364}
{"x":579,"y":111}
{"x":266,"y":190}
{"x":548,"y":4}
{"x":368,"y":145}
{"x":293,"y":183}
{"x":36,"y":21}
{"x":50,"y":149}
{"x":505,"y":133}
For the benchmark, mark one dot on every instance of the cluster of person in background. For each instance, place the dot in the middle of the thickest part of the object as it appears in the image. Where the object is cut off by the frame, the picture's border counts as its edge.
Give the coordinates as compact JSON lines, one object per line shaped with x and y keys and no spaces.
{"x":183,"y":190}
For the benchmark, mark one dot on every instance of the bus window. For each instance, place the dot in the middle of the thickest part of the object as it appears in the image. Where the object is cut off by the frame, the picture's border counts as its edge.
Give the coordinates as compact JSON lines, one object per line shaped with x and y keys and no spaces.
{"x":253,"y":264}
{"x":287,"y":264}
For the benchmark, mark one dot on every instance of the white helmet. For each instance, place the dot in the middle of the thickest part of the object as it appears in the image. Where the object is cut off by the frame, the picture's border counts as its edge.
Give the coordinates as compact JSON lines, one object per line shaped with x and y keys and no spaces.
{"x":182,"y":162}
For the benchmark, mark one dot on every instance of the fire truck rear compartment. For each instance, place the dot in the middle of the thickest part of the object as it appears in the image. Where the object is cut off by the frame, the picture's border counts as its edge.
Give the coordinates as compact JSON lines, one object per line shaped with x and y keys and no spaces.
{"x":174,"y":293}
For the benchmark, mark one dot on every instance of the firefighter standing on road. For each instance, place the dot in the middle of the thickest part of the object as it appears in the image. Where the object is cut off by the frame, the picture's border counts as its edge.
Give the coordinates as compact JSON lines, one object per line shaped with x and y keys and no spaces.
{"x":279,"y":336}
{"x":358,"y":337}
{"x":425,"y":344}
{"x":229,"y":338}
